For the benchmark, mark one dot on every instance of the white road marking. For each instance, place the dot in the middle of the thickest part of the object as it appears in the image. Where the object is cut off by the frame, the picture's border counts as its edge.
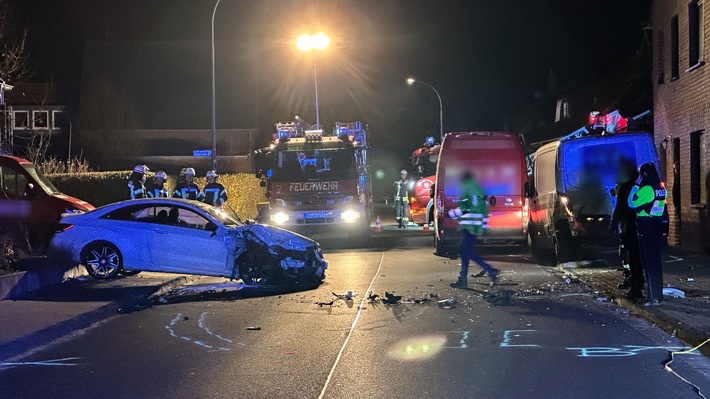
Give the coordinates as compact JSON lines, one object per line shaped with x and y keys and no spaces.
{"x":352,"y":328}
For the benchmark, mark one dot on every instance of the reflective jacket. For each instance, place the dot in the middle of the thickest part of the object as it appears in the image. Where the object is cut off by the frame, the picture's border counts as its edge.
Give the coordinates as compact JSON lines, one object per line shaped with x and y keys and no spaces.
{"x":156,"y":191}
{"x":136,"y":189}
{"x":647,"y":200}
{"x":187,"y":190}
{"x":400,"y":190}
{"x":474,"y":209}
{"x":214,"y":194}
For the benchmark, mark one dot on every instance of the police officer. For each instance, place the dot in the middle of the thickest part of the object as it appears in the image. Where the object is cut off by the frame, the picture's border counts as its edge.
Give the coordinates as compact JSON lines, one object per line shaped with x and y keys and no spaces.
{"x":136,"y":182}
{"x":472,"y":215}
{"x":401,"y":200}
{"x":648,"y":199}
{"x":623,"y":222}
{"x":214,"y":193}
{"x":187,"y":189}
{"x":157,"y":188}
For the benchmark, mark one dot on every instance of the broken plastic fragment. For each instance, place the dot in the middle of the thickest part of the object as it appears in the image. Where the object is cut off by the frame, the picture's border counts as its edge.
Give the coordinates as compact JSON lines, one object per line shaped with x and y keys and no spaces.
{"x":673,"y":292}
{"x":254,"y":328}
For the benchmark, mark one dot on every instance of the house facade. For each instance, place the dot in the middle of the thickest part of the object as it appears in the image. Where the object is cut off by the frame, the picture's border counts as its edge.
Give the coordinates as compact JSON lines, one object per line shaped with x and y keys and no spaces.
{"x":681,"y":93}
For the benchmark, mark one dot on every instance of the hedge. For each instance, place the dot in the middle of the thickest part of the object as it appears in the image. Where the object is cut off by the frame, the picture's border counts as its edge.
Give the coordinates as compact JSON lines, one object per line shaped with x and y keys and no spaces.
{"x":101,"y":188}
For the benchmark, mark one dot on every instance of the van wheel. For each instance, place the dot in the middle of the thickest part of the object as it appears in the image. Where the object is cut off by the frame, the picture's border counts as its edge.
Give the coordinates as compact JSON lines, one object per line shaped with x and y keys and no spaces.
{"x":564,"y":244}
{"x":440,"y":248}
{"x":102,"y":260}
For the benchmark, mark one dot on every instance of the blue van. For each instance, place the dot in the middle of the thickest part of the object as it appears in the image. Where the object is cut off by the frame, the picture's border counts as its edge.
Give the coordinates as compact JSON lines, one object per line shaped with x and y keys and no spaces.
{"x":571,"y":190}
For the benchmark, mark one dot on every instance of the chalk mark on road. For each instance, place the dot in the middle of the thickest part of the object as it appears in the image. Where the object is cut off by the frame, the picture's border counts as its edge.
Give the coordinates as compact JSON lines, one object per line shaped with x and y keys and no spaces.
{"x":66,"y":361}
{"x":171,"y":331}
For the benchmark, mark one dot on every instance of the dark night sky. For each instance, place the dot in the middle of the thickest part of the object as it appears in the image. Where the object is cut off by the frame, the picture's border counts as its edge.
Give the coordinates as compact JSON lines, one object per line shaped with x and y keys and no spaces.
{"x":484,"y":57}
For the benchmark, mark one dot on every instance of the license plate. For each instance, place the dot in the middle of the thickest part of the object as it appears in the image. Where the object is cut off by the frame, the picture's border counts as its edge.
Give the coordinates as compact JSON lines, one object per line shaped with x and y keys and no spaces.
{"x":315,"y":215}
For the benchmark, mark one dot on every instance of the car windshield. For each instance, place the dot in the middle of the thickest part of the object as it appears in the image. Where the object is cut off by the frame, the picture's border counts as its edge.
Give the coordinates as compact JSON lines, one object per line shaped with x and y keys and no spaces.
{"x":296,"y":165}
{"x":229,"y":219}
{"x":45,"y":184}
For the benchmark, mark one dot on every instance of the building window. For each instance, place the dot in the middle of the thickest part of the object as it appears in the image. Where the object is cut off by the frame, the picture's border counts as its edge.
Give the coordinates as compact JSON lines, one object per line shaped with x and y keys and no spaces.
{"x":59,"y":120}
{"x":21,"y":119}
{"x":40,"y":119}
{"x":562,"y":110}
{"x":695,"y":167}
{"x":674,"y":48}
{"x":695,"y":33}
{"x":661,"y":59}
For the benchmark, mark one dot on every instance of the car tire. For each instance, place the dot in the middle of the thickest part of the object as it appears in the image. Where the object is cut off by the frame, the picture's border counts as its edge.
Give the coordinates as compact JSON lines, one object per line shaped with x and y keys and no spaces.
{"x":257,"y":267}
{"x":439,"y":247}
{"x":129,"y":272}
{"x":102,"y":260}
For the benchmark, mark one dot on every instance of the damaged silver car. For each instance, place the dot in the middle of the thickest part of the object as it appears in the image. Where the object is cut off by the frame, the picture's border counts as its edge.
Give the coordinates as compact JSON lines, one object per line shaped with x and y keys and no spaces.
{"x":183,"y":236}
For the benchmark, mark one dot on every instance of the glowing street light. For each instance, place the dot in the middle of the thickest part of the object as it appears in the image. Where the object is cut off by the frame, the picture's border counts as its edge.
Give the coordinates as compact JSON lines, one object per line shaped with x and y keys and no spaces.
{"x":308,"y":43}
{"x":410,"y":81}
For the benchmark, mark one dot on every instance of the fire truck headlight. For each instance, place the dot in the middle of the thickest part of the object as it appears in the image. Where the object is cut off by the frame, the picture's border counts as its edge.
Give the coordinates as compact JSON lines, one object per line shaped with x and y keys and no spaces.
{"x":280,"y":202}
{"x":279,"y":218}
{"x":350,"y":215}
{"x":348,"y":199}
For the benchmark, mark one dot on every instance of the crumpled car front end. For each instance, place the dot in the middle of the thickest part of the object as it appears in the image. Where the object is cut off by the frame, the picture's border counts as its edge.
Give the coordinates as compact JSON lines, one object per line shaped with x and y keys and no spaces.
{"x":299,"y":258}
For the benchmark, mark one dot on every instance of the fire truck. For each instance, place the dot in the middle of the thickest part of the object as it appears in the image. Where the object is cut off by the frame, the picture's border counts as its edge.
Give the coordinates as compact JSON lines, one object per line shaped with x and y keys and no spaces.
{"x":423,"y":163}
{"x":316,"y":181}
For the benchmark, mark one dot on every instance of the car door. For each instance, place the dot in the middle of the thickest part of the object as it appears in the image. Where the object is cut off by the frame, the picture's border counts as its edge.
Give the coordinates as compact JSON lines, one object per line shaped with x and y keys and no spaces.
{"x":182,"y":243}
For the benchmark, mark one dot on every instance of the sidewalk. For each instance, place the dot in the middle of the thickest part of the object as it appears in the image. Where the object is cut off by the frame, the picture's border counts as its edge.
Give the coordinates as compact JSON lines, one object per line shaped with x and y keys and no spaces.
{"x":43,"y":304}
{"x":688,"y":318}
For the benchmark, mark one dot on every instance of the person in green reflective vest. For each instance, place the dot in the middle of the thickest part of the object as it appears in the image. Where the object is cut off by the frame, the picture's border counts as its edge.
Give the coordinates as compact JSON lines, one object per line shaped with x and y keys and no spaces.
{"x":648,"y":199}
{"x":472,"y":216}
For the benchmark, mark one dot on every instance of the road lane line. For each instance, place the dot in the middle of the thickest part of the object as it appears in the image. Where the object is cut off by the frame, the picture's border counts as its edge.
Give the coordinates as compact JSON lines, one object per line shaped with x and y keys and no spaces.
{"x":352,"y":328}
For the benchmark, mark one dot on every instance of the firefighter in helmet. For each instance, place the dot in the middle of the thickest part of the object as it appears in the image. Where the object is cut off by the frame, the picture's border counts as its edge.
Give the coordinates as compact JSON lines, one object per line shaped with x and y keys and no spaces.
{"x":401,"y":200}
{"x":157,"y":188}
{"x":187,"y":189}
{"x":136,"y":182}
{"x":214,"y":193}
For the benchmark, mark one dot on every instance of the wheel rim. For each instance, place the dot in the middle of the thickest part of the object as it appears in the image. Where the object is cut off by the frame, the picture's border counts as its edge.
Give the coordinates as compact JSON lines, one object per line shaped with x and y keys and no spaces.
{"x":103,"y":261}
{"x":255,"y":269}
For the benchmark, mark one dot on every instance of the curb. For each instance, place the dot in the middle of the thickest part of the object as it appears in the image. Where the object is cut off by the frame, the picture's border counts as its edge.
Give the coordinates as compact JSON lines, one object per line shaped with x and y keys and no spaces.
{"x":668,"y":324}
{"x":16,"y":284}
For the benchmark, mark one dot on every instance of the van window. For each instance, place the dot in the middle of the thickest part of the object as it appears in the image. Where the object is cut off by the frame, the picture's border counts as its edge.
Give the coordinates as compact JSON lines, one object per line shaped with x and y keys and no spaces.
{"x":595,"y":162}
{"x":545,"y":171}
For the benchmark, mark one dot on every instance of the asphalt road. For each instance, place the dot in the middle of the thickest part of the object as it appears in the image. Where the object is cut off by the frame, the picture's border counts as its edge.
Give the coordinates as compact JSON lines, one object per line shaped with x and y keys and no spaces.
{"x":534,"y":335}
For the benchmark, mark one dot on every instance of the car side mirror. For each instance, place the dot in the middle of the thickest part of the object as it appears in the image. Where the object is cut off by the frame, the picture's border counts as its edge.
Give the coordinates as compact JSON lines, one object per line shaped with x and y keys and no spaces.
{"x":211,"y":227}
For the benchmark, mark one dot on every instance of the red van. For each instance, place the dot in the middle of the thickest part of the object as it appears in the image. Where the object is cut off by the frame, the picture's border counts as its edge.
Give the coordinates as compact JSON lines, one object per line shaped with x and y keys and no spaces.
{"x":27,"y":197}
{"x":498,"y":163}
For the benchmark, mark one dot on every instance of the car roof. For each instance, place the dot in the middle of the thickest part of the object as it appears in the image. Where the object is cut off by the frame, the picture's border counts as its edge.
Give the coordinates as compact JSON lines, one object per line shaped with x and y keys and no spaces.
{"x":13,"y":159}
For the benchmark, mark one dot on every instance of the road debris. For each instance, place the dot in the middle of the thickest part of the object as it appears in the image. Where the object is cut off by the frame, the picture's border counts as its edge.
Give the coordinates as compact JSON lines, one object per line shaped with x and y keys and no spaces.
{"x":673,"y":292}
{"x":447,"y":303}
{"x":254,"y":328}
{"x":321,"y":304}
{"x":391,"y":299}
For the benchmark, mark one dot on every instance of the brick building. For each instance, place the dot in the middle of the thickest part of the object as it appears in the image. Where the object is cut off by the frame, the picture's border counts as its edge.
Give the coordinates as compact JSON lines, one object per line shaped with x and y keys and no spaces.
{"x":681,"y":92}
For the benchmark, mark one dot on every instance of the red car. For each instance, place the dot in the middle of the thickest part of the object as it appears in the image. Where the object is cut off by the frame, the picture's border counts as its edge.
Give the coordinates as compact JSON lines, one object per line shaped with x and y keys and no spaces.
{"x":32,"y":201}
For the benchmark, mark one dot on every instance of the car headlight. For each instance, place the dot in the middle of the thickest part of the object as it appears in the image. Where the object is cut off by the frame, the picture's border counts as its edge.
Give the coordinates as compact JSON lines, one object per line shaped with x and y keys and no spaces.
{"x":350,"y":215}
{"x":279,"y":218}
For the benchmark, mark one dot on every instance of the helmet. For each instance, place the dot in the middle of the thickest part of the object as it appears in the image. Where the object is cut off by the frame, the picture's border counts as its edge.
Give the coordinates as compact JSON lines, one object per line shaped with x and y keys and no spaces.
{"x":211,"y":173}
{"x":161,"y":174}
{"x":190,"y":171}
{"x":140,"y":169}
{"x":403,"y":172}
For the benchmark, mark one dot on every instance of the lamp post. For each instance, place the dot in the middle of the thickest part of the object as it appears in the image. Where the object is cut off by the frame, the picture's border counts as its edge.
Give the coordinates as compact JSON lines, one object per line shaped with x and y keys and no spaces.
{"x":316,"y":42}
{"x":214,"y":100}
{"x":410,"y":81}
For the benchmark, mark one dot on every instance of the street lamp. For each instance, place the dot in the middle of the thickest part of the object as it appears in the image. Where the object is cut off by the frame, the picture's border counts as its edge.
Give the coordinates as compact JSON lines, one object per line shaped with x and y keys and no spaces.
{"x":214,"y":100}
{"x":316,"y":42}
{"x":410,"y":81}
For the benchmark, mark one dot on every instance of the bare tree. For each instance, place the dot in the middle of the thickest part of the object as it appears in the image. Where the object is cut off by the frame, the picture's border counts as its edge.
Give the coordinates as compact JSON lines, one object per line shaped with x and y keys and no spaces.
{"x":14,"y":58}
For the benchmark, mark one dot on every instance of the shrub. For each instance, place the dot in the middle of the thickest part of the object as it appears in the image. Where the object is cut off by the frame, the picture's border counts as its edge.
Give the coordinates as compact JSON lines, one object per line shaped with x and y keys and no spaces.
{"x":101,"y":188}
